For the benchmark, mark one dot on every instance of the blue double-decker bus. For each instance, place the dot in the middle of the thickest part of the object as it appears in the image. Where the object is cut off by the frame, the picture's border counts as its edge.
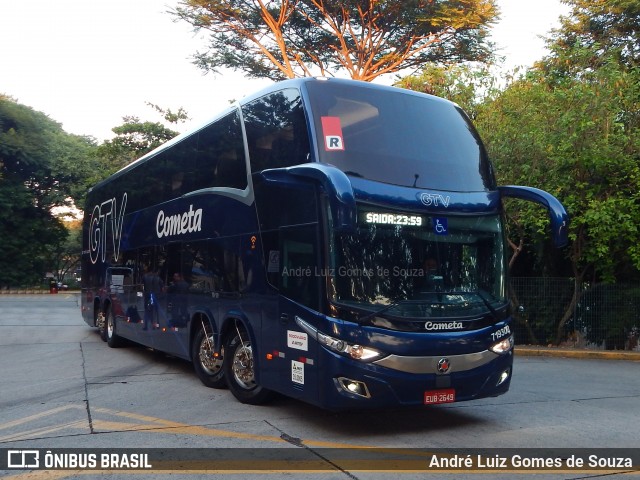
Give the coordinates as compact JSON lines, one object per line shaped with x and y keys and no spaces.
{"x":334,"y":241}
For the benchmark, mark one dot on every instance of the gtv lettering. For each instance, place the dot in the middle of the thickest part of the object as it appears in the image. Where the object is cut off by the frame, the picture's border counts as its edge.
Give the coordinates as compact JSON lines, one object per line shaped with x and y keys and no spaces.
{"x":435,"y":200}
{"x":106,"y":216}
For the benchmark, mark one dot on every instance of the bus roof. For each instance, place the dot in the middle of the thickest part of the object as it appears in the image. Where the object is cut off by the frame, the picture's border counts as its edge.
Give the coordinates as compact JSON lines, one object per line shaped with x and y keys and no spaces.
{"x":296,"y":83}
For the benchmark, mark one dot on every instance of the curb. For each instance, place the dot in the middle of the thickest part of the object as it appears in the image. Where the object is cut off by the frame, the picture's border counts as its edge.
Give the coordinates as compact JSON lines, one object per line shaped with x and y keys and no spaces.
{"x":532,"y":351}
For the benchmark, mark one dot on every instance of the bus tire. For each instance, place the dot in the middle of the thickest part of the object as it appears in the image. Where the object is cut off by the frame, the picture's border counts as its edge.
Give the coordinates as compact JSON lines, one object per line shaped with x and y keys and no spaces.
{"x":239,"y":370}
{"x":209,"y":370}
{"x":113,"y":340}
{"x":101,"y":321}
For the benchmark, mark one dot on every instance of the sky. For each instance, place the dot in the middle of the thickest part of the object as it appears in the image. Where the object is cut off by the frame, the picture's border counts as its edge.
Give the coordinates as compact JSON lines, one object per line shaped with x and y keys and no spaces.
{"x":88,"y":63}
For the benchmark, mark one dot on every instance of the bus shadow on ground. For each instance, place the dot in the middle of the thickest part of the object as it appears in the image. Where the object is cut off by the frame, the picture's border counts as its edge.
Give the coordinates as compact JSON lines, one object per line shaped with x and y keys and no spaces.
{"x":379,"y":423}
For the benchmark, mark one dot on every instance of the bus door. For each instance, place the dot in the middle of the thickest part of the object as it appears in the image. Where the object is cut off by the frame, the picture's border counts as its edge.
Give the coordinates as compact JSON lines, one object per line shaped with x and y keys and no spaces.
{"x":142,"y":310}
{"x":289,"y":217}
{"x":299,"y":287}
{"x":168,"y":300}
{"x":122,"y":290}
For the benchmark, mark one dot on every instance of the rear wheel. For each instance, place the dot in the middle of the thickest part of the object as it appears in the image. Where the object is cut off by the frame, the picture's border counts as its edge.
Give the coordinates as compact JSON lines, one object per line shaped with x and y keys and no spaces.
{"x":207,"y":366}
{"x":113,"y":340}
{"x":240,"y":371}
{"x":101,"y":323}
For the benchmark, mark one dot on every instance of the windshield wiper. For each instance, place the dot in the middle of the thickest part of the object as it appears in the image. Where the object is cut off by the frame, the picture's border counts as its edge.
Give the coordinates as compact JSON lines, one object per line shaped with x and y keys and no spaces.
{"x":478,"y":294}
{"x":392,"y":305}
{"x":368,"y":317}
{"x":485,"y":301}
{"x":488,"y":305}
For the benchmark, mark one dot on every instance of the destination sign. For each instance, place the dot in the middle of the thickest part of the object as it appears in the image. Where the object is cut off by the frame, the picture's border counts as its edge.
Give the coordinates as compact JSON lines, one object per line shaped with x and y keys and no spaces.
{"x":385,"y":218}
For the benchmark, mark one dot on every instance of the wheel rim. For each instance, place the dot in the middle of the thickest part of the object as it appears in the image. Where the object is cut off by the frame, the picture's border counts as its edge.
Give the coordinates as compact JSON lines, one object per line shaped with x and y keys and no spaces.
{"x":110,"y":326}
{"x":210,"y":364}
{"x":243,"y":366}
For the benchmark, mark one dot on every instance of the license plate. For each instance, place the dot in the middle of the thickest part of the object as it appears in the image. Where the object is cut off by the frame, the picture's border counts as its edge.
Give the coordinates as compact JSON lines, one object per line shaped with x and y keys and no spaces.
{"x":433,"y":397}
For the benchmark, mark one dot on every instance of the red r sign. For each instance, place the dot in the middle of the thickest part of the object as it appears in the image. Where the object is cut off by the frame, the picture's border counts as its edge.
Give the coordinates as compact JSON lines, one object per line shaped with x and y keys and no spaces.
{"x":332,"y":132}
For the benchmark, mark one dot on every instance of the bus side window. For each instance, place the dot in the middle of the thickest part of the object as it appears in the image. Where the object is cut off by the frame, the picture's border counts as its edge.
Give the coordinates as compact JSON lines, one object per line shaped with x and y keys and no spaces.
{"x":221,"y":157}
{"x":214,"y":267}
{"x":150,"y":187}
{"x":301,"y":202}
{"x":182,"y":171}
{"x":299,"y":260}
{"x":276,"y":131}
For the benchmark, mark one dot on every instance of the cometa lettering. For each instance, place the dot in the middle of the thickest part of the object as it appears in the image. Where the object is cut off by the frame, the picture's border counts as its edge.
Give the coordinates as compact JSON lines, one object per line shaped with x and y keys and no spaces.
{"x":179,"y":224}
{"x":443,"y":326}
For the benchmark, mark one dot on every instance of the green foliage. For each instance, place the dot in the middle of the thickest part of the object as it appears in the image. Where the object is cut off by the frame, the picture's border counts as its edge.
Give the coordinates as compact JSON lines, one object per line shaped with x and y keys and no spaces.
{"x":569,"y":126}
{"x":599,"y":31}
{"x":609,"y":315}
{"x":578,"y":146}
{"x":25,"y":233}
{"x":582,"y":143}
{"x":543,"y":300}
{"x":63,"y":254}
{"x":467,"y":85}
{"x":364,"y":38}
{"x":41,"y":167}
{"x":134,"y":138}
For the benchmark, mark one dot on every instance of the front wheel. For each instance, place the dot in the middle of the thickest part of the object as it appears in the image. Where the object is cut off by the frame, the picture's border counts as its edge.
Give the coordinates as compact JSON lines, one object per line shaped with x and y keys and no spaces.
{"x":240,"y":371}
{"x":207,"y":367}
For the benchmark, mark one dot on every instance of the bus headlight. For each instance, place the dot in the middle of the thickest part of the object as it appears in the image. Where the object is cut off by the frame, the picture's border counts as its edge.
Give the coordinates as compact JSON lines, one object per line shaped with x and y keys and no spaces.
{"x":503,"y":346}
{"x":357,"y":352}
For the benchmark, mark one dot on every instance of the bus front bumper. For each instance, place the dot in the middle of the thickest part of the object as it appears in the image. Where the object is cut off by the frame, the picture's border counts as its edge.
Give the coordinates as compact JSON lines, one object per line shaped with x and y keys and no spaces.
{"x":413,"y":381}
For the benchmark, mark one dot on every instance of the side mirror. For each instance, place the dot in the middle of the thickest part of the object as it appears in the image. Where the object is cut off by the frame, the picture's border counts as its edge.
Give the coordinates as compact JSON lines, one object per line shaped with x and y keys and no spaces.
{"x":557,"y":213}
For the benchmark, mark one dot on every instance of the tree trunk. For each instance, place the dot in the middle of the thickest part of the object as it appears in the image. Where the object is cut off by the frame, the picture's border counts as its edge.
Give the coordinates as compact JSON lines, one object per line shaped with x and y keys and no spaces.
{"x":522,"y":320}
{"x":571,"y":308}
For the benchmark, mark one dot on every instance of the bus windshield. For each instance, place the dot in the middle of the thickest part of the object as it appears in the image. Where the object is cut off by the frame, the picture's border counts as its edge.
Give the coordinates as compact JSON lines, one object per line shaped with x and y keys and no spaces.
{"x":420,"y":266}
{"x":398,"y":138}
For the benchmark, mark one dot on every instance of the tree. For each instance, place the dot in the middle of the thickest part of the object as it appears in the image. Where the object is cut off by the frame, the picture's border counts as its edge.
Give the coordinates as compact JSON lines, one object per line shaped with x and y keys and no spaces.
{"x":582,"y":146}
{"x":366,"y":38}
{"x":25,"y":230}
{"x":569,"y":126}
{"x":469,"y":86}
{"x":41,"y":167}
{"x":63,"y":255}
{"x":134,"y":138}
{"x":35,"y":151}
{"x":601,"y":31}
{"x":594,"y":70}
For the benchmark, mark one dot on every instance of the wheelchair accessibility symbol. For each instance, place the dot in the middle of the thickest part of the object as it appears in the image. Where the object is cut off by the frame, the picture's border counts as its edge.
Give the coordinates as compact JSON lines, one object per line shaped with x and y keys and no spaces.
{"x":440,"y":226}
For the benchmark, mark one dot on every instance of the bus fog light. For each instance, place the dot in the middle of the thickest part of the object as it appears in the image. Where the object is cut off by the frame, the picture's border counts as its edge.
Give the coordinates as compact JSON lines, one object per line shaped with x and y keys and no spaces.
{"x":503,"y":346}
{"x":353,"y":387}
{"x":503,"y":377}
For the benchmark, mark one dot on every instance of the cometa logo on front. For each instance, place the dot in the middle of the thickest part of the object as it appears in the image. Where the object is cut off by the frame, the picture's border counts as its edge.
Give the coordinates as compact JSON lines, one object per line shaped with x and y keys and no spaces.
{"x":443,"y":326}
{"x":179,"y":224}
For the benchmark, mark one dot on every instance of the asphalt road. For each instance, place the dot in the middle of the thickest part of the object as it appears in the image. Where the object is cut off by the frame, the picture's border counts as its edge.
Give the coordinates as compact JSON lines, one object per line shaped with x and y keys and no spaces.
{"x":62,"y":387}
